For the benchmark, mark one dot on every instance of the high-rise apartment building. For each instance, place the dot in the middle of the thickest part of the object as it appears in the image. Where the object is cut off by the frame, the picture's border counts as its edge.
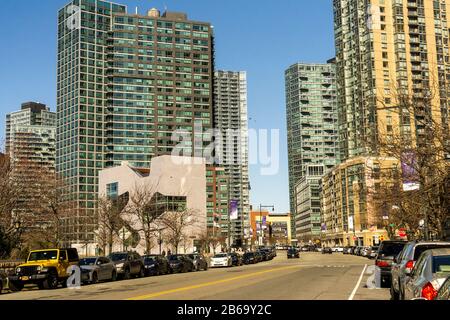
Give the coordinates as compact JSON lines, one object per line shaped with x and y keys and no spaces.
{"x":231,"y":118}
{"x":311,"y":122}
{"x":30,"y":144}
{"x":126,"y":82}
{"x":386,"y":49}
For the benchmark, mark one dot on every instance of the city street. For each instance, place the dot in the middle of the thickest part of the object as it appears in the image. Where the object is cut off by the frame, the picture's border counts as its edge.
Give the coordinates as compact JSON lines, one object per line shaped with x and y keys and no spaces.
{"x":312,"y":277}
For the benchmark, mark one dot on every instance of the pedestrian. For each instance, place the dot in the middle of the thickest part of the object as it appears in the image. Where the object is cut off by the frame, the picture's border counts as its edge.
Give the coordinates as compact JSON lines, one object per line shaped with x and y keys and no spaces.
{"x":169,"y":253}
{"x":164,"y":253}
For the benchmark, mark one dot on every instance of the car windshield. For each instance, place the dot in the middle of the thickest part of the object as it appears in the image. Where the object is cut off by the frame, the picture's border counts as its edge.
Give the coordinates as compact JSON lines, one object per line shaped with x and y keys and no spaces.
{"x":43,"y":255}
{"x":421,"y":248}
{"x":391,"y":248}
{"x":441,"y":264}
{"x":248,"y":254}
{"x":118,"y":256}
{"x":88,"y":261}
{"x":149,"y":259}
{"x":174,"y":258}
{"x":220,"y":255}
{"x":192,"y":256}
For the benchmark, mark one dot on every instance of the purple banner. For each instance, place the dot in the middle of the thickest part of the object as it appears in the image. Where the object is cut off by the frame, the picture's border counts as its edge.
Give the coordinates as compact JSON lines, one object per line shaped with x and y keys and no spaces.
{"x":233,"y":210}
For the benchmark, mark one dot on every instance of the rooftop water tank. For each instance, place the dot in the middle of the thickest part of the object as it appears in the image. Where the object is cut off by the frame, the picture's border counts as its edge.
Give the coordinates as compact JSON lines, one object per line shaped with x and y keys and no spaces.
{"x":154,"y":13}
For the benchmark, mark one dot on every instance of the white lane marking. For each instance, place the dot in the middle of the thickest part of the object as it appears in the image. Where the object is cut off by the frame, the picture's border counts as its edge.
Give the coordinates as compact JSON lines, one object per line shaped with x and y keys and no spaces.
{"x":358,"y":284}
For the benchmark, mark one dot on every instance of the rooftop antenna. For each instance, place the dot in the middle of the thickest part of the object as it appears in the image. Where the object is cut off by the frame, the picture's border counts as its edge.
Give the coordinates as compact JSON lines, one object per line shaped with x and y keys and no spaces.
{"x":137,"y":11}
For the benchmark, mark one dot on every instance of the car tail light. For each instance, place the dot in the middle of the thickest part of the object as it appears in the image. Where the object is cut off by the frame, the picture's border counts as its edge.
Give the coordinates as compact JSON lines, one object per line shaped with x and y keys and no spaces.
{"x":381,"y":263}
{"x":429,"y":292}
{"x":409,"y":265}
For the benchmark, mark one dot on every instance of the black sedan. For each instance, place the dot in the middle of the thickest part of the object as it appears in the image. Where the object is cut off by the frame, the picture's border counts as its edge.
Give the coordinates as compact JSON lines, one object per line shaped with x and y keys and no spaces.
{"x":156,"y":265}
{"x":293,"y":253}
{"x":181,"y":263}
{"x":249,"y":258}
{"x":327,"y":250}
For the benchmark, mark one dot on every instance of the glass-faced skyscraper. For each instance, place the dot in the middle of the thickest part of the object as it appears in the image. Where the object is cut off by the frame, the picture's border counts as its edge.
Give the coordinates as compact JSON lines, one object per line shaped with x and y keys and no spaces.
{"x":231,"y":118}
{"x":312,"y":122}
{"x":125,"y":83}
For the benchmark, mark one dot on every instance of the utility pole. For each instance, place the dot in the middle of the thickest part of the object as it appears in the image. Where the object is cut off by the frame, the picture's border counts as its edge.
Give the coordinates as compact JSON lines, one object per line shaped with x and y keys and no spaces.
{"x":229,"y":218}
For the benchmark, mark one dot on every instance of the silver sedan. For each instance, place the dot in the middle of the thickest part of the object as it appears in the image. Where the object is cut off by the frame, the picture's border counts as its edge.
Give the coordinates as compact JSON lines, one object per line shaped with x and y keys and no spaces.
{"x":429,"y":273}
{"x":94,"y":269}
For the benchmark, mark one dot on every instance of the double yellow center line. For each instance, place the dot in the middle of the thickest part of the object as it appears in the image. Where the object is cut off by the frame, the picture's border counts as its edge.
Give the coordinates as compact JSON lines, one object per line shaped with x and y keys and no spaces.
{"x":212,"y":283}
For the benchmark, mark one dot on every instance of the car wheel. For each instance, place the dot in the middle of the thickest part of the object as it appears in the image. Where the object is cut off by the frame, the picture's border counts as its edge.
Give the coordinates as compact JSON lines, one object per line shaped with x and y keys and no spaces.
{"x":394,"y":295}
{"x":127,"y":274}
{"x":15,"y":286}
{"x":94,"y":278}
{"x":206,"y":267}
{"x":51,"y":282}
{"x":141,"y":273}
{"x":114,"y":276}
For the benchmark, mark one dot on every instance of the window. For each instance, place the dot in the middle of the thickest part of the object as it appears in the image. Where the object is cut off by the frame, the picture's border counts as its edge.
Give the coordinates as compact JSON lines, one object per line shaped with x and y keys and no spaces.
{"x":112,"y":190}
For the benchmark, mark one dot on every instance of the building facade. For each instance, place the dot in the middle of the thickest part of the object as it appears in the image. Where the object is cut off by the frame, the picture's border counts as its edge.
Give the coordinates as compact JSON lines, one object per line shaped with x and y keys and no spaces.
{"x":126,"y":83}
{"x":177,"y":183}
{"x":349,"y":209}
{"x":387,"y":49}
{"x":270,"y":228}
{"x":231,"y":119}
{"x":217,"y":208}
{"x":30,"y":144}
{"x":307,"y":200}
{"x":312,"y":121}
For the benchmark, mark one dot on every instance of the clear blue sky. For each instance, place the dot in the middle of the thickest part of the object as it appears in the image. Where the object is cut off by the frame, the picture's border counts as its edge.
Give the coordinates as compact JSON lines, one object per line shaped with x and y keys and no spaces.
{"x":261,"y":37}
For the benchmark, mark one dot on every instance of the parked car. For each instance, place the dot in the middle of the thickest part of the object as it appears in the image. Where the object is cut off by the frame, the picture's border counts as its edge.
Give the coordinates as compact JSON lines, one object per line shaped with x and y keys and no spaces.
{"x":388,"y":250}
{"x":268,"y":254}
{"x":221,"y":260}
{"x":405,"y":261}
{"x":2,"y":281}
{"x":353,"y":250}
{"x":45,"y":268}
{"x":430,"y":272}
{"x":236,"y":260}
{"x":264,"y":255}
{"x":180,"y":263}
{"x":128,"y":264}
{"x":357,"y":251}
{"x":95,"y":269}
{"x":249,"y":258}
{"x":364,"y":251}
{"x":199,"y":260}
{"x":293,"y":253}
{"x":372,"y":252}
{"x":156,"y":265}
{"x":305,"y":249}
{"x":337,"y":249}
{"x":444,"y":291}
{"x":259,"y":257}
{"x":327,"y":250}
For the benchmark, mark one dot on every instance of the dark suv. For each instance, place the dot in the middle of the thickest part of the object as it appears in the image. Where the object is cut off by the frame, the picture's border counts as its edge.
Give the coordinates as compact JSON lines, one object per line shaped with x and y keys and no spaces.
{"x":128,"y":264}
{"x":386,"y":253}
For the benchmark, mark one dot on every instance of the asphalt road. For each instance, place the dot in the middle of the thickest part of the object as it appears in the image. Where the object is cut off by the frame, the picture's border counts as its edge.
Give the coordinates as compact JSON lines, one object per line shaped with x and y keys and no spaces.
{"x":312,"y":277}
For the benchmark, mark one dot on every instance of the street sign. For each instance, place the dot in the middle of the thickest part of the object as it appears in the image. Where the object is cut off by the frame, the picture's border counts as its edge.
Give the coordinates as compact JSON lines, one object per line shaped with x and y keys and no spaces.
{"x":402,"y":232}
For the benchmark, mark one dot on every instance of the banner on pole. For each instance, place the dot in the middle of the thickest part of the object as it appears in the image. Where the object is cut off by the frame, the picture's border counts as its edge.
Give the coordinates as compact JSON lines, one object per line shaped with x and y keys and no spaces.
{"x":233,"y":210}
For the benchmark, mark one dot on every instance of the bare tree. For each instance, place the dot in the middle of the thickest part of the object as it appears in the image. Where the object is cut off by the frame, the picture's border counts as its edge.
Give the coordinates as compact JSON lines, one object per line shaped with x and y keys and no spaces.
{"x":110,"y":220}
{"x":8,"y":200}
{"x":421,"y":146}
{"x":143,"y":207}
{"x":177,"y":224}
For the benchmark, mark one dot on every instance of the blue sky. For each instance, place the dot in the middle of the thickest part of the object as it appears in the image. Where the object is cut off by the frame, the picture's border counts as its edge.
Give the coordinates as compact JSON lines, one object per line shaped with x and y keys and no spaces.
{"x":261,"y":37}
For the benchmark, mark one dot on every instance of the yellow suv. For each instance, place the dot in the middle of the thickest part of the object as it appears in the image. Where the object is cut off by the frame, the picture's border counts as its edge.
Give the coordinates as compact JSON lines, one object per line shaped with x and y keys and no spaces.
{"x":45,"y":268}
